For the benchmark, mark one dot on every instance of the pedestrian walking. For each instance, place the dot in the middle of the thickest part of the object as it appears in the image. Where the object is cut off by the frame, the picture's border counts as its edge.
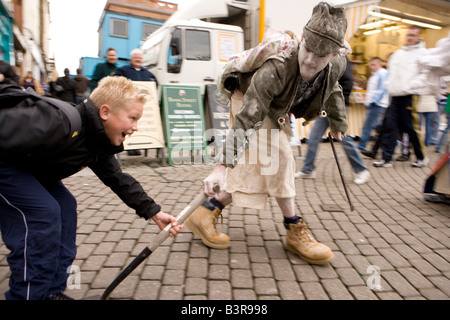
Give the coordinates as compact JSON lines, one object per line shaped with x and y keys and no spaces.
{"x":436,"y":64}
{"x":443,"y":137}
{"x":68,"y":85}
{"x":82,"y":86}
{"x":362,"y":174}
{"x":30,"y":82}
{"x":403,"y":70}
{"x":427,"y":108}
{"x":376,"y":100}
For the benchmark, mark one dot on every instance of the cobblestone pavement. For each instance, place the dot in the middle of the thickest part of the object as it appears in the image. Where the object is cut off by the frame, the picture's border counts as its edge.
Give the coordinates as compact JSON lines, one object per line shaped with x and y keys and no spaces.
{"x":392,"y":229}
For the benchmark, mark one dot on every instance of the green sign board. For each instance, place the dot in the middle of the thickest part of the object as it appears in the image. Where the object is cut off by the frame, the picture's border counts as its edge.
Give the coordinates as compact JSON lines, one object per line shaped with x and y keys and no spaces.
{"x":184,"y":121}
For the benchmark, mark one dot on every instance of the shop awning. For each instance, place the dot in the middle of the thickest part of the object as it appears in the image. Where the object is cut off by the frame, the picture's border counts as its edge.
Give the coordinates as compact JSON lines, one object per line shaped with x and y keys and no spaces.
{"x":357,"y":13}
{"x":423,"y":11}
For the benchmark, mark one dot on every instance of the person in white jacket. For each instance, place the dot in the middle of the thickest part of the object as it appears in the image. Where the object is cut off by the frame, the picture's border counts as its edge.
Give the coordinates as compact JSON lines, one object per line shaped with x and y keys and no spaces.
{"x":402,"y":84}
{"x":435,"y":64}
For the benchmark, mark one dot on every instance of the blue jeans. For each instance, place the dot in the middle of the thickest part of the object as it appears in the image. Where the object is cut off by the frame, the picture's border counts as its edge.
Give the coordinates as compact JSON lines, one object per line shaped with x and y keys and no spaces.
{"x":38,"y":225}
{"x":443,"y":134}
{"x":374,"y":117}
{"x":430,"y":126}
{"x":319,"y":127}
{"x":435,"y":127}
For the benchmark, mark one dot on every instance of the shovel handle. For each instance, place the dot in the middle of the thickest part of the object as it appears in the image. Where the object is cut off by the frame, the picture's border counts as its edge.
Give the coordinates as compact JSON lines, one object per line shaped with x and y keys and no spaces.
{"x":182,"y":216}
{"x":161,"y":236}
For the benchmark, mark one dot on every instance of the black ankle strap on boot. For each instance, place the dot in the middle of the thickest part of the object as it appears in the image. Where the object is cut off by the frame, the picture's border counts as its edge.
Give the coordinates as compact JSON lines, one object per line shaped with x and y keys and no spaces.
{"x":212,"y":204}
{"x":288,"y":221}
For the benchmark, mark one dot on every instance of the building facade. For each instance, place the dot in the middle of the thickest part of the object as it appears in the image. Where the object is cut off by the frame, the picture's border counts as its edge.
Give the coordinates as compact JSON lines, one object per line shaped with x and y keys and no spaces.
{"x":126,"y":23}
{"x":6,"y":32}
{"x":24,"y":31}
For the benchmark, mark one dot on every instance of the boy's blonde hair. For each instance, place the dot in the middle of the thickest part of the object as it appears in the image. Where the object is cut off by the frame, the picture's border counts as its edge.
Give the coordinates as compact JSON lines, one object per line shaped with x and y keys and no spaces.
{"x":116,"y":91}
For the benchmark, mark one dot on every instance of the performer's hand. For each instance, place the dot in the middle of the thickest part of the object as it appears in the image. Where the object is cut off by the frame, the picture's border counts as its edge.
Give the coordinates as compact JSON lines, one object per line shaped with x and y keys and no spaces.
{"x":163,"y":219}
{"x":217,"y":176}
{"x":337,"y":135}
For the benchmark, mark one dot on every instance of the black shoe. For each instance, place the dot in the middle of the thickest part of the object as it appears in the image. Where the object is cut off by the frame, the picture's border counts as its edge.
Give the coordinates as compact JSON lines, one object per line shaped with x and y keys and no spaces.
{"x":403,"y":158}
{"x":437,"y":197}
{"x":134,"y":152}
{"x":369,"y":154}
{"x":58,"y":296}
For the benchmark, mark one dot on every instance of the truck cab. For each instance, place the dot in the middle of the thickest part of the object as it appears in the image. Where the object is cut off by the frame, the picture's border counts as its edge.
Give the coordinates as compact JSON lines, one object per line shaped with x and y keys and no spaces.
{"x":191,"y":52}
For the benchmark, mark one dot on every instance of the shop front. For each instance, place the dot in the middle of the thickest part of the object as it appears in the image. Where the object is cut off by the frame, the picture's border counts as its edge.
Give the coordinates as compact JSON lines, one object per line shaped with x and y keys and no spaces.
{"x":377,"y":29}
{"x":6,"y":33}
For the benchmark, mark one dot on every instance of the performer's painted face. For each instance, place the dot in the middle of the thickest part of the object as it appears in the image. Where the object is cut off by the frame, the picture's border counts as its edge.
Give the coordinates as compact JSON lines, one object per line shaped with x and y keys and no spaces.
{"x":311,"y":64}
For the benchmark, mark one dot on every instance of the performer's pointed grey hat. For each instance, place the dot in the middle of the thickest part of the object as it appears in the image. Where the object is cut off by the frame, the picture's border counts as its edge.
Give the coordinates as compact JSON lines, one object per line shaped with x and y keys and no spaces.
{"x":325,"y":31}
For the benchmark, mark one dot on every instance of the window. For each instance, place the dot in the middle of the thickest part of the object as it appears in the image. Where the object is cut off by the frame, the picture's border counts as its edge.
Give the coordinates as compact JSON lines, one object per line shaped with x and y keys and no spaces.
{"x":148,"y":29}
{"x":119,"y":28}
{"x":174,"y":58}
{"x":198,"y":45}
{"x":151,"y":55}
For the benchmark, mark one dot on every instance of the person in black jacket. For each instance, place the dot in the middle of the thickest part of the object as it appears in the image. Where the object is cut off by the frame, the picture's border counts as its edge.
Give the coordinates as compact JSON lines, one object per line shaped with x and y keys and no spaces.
{"x":68,"y":92}
{"x":135,"y":71}
{"x":346,"y":82}
{"x":38,"y":214}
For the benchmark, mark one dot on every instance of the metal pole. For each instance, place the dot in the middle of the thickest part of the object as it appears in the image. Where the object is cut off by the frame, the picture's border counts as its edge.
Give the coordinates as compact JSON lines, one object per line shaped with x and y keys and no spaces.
{"x":262,"y":19}
{"x":161,"y":236}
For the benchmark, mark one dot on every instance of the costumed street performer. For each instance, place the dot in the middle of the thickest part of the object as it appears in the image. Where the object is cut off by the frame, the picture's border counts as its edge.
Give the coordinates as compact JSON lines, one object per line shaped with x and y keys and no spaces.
{"x":284,"y":74}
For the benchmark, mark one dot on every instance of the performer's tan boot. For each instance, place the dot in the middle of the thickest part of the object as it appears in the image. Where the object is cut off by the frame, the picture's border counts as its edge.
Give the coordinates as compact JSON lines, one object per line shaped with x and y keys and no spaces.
{"x":300,"y":242}
{"x":202,"y":223}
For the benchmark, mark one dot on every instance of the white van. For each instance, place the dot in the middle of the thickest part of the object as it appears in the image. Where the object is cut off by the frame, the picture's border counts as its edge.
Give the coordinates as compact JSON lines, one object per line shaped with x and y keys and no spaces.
{"x":191,"y":52}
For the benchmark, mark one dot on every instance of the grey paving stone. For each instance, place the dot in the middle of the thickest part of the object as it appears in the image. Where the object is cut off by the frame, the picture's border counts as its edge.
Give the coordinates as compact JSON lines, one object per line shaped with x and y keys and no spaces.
{"x":392,"y":228}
